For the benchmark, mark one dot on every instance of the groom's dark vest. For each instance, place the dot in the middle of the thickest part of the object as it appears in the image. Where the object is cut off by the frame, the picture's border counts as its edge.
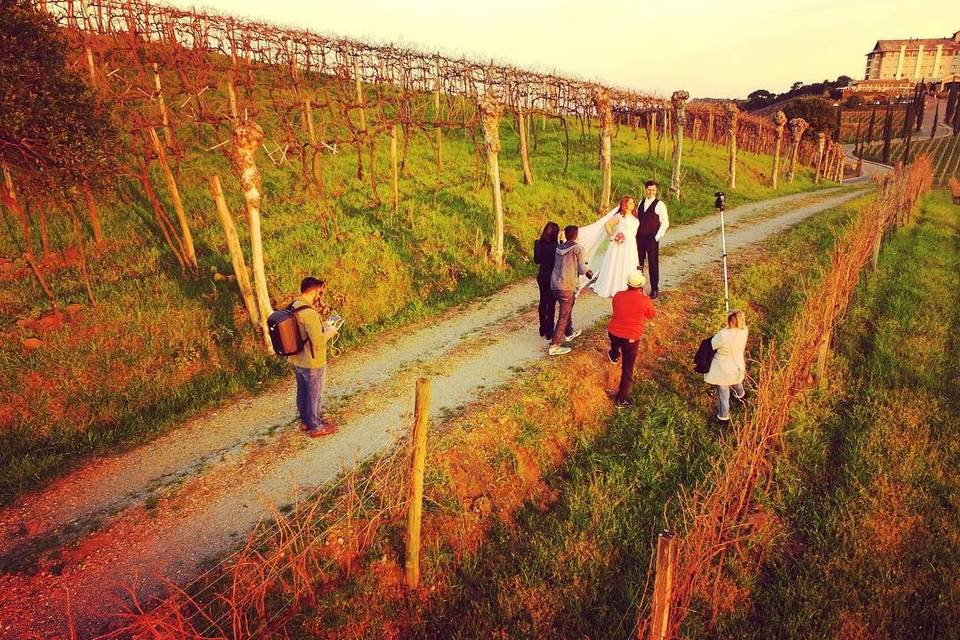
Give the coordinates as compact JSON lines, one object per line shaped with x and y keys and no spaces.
{"x":649,"y":220}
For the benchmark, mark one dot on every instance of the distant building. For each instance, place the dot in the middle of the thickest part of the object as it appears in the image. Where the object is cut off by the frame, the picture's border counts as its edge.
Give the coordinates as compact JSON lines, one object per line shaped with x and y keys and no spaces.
{"x":897,"y":65}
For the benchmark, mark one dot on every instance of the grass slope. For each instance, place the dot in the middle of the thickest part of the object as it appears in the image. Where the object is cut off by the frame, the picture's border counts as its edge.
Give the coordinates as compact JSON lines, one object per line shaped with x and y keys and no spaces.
{"x":871,"y":495}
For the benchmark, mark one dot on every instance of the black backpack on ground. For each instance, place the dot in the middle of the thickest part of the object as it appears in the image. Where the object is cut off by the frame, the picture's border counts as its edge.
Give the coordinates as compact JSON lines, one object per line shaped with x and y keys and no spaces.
{"x":704,"y":357}
{"x":285,"y":331}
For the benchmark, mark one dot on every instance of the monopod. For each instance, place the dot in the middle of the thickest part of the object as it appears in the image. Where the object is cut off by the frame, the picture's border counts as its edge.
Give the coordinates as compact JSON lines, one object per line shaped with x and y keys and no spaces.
{"x":718,"y":203}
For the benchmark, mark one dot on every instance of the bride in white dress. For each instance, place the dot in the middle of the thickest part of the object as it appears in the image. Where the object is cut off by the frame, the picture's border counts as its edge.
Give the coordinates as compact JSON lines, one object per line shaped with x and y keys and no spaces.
{"x":621,"y":259}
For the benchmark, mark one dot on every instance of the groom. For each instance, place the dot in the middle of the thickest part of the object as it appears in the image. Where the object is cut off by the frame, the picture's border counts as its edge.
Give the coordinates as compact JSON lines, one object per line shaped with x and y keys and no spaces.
{"x":652,"y":214}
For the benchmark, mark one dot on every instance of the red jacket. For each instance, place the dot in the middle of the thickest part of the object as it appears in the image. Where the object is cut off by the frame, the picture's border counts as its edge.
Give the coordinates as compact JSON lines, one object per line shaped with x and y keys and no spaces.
{"x":631,"y":309}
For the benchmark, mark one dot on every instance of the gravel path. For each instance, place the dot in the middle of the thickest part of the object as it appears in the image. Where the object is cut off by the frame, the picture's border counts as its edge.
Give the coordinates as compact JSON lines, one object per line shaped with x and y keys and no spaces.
{"x":159,"y":511}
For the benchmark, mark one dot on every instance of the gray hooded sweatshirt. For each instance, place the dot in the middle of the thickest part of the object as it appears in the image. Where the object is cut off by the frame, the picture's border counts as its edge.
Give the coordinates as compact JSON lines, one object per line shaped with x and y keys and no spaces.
{"x":568,"y":267}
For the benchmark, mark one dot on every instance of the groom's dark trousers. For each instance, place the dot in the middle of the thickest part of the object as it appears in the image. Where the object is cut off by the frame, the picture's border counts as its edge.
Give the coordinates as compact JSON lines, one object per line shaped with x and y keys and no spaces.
{"x":648,"y":247}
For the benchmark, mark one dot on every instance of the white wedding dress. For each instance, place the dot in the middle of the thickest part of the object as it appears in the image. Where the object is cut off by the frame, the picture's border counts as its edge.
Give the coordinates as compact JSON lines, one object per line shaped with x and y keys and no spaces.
{"x":619,"y":261}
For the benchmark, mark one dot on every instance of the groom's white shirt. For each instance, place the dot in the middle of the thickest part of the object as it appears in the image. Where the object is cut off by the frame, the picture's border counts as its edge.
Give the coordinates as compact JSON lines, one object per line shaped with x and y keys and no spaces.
{"x":661,"y":212}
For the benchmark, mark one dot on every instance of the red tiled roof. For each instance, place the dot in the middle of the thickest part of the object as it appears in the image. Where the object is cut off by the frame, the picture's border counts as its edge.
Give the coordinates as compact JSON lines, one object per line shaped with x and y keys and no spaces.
{"x":914,"y":43}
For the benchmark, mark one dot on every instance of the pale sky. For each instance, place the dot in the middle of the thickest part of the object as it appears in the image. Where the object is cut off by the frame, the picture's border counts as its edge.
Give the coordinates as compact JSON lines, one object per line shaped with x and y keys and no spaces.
{"x":722,"y":49}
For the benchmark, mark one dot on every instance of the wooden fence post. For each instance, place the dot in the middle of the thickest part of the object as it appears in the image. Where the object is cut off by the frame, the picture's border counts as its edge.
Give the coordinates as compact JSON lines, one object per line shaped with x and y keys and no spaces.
{"x":875,"y":258}
{"x":415,"y":510}
{"x":822,"y":353}
{"x":663,"y":586}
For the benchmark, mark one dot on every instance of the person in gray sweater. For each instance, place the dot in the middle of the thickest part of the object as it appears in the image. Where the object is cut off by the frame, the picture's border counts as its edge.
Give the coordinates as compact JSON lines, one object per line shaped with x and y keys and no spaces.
{"x":568,"y":266}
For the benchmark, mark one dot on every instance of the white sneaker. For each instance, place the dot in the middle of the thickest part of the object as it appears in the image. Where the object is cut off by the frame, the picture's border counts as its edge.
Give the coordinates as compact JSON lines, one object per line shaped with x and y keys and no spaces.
{"x":557,"y":350}
{"x":575,"y":334}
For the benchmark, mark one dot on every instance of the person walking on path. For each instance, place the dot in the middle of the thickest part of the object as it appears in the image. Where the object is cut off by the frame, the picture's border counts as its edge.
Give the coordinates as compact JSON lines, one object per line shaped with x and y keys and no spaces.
{"x":544,"y":255}
{"x":310,"y":364}
{"x":728,"y":368}
{"x":654,"y":222}
{"x":631,"y":310}
{"x":568,"y":266}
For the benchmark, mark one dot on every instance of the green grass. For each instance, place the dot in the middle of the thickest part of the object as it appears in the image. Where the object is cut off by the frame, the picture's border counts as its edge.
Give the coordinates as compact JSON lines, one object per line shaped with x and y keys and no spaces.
{"x":578,"y":569}
{"x":160,"y":346}
{"x":869,"y":496}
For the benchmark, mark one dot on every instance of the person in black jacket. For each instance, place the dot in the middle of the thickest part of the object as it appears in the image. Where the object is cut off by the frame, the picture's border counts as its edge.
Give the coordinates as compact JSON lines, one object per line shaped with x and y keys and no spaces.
{"x":544,"y":254}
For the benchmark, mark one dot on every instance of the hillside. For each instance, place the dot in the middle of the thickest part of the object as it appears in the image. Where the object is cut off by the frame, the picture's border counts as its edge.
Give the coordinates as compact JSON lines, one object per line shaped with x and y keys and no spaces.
{"x":160,"y":343}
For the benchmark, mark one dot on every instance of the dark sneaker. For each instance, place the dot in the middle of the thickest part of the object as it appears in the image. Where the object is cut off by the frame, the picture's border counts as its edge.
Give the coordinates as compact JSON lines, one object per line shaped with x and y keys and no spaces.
{"x":614,"y":358}
{"x":622,"y":404}
{"x":654,"y":294}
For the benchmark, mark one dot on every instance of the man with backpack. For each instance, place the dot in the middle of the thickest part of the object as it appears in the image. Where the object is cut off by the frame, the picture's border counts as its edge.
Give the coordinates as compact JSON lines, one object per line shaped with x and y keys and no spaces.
{"x":310,"y":362}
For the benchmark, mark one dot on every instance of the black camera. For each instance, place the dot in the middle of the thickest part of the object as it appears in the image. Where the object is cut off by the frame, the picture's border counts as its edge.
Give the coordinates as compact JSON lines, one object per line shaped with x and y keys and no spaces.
{"x":720,"y":198}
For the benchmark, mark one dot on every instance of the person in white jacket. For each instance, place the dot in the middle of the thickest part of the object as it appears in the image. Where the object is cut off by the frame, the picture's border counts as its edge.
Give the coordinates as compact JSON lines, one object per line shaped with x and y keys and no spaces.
{"x":728,"y":368}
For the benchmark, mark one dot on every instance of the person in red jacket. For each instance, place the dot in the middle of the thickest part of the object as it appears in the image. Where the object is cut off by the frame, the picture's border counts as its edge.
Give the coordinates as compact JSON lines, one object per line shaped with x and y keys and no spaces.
{"x":631,"y":310}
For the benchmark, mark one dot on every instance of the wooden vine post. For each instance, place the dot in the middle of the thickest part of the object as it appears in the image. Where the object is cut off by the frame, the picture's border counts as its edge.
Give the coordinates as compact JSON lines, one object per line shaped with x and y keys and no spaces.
{"x":394,"y":167}
{"x":236,"y":252}
{"x":162,"y":105}
{"x":663,"y":586}
{"x":821,"y":142}
{"x":524,"y":146}
{"x":733,"y":115}
{"x":247,"y":137}
{"x":232,"y":95}
{"x":780,"y":121}
{"x":315,"y":159}
{"x":360,"y":101}
{"x":88,"y":52}
{"x":9,"y":199}
{"x":436,"y":119}
{"x":92,"y":212}
{"x":189,"y":253}
{"x":601,"y":102}
{"x":490,"y":119}
{"x":679,"y":101}
{"x":797,"y":128}
{"x":421,"y":424}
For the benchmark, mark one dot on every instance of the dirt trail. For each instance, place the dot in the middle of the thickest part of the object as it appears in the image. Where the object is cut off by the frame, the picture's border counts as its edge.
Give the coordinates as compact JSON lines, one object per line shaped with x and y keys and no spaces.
{"x":159,"y":511}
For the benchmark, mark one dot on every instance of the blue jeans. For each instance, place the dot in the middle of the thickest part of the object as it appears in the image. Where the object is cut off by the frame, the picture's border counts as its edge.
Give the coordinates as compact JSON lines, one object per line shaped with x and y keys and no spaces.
{"x":310,"y":385}
{"x":723,"y":399}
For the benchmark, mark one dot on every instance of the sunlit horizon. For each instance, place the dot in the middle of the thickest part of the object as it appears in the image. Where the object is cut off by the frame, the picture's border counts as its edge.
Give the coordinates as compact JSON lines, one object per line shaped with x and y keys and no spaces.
{"x":709,"y":49}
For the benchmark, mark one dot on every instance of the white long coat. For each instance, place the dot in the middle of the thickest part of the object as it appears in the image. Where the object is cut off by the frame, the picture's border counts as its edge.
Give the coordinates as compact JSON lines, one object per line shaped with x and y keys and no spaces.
{"x":728,"y":366}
